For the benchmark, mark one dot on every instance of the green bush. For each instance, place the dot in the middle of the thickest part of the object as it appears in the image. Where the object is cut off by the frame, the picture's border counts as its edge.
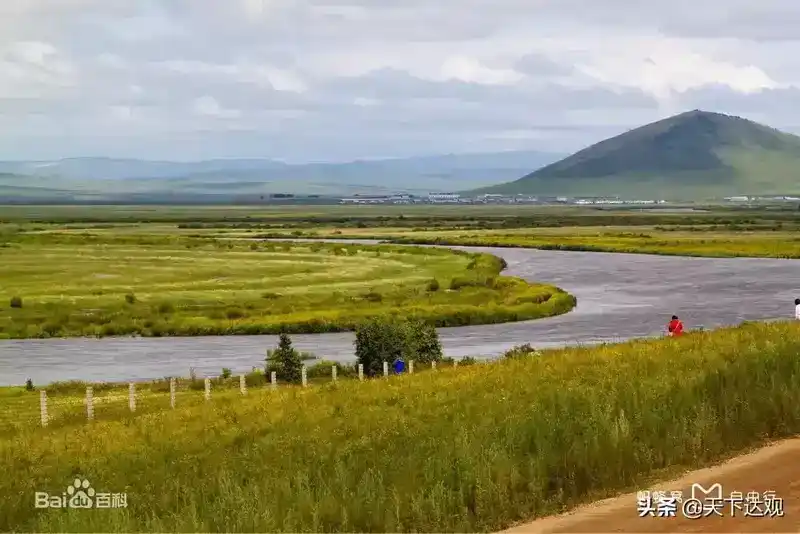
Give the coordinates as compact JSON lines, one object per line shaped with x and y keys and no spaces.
{"x":433,"y":285}
{"x":130,"y":298}
{"x":15,"y":302}
{"x":385,"y":340}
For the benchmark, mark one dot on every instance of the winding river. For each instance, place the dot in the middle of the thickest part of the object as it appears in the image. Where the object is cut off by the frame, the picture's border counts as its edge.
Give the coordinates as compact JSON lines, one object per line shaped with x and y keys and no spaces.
{"x":620,"y":296}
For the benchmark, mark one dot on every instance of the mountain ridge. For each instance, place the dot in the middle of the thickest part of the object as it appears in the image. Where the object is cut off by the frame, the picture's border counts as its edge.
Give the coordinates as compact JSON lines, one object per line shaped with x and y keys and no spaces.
{"x":695,"y":153}
{"x":248,"y":177}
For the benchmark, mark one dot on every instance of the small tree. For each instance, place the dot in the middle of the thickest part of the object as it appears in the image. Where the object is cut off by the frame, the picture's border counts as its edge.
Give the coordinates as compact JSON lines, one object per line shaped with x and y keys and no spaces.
{"x":285,"y":360}
{"x":422,"y":341}
{"x":379,"y":341}
{"x":15,"y":302}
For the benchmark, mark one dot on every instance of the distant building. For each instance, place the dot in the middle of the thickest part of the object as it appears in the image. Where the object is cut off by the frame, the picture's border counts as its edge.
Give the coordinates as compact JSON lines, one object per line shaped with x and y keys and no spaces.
{"x":444,"y":197}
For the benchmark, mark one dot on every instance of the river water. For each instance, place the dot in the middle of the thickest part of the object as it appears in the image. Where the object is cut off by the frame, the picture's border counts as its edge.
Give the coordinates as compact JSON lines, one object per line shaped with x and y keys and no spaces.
{"x":619,"y":296}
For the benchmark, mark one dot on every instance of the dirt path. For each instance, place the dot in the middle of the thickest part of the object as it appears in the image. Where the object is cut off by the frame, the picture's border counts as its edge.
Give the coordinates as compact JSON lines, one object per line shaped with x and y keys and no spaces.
{"x":773,"y":468}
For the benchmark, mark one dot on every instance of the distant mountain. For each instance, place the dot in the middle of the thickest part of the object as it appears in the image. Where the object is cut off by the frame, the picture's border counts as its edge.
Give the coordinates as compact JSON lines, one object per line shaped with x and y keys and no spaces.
{"x":114,"y":169}
{"x":691,"y":155}
{"x":100,"y":177}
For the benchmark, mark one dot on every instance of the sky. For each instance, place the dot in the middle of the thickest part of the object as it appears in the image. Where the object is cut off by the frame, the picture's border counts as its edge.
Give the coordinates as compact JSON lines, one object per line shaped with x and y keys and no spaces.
{"x":336,"y":80}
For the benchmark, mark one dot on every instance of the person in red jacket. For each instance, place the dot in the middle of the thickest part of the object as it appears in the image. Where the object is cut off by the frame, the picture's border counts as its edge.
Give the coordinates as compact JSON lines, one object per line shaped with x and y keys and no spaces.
{"x":675,"y":326}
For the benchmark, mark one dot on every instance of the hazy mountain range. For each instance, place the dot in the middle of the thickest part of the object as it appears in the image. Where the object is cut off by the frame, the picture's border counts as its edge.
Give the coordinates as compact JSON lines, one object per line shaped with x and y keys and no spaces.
{"x":116,"y":179}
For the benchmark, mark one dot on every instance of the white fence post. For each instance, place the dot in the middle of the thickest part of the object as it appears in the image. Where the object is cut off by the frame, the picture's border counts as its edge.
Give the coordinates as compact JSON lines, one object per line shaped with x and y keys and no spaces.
{"x":208,"y":389}
{"x":361,"y":371}
{"x":132,"y":396}
{"x":411,"y":367}
{"x":304,"y":376}
{"x":455,"y":363}
{"x":385,"y":369}
{"x":43,"y":406}
{"x":433,"y":365}
{"x":333,"y":373}
{"x":171,"y":392}
{"x":242,"y":385}
{"x":89,"y":403}
{"x":273,"y":379}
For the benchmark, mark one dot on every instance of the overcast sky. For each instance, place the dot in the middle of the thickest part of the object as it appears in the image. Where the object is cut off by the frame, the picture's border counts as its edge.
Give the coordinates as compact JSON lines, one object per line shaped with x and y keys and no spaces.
{"x":313,"y":80}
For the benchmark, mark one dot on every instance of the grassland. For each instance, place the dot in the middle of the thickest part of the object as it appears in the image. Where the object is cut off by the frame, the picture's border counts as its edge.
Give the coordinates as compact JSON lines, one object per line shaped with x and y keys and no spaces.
{"x":69,"y":285}
{"x":466,"y":449}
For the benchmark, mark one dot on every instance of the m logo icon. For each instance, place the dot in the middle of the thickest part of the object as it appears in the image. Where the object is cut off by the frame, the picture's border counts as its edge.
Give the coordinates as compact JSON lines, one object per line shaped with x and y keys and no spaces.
{"x":713,"y":492}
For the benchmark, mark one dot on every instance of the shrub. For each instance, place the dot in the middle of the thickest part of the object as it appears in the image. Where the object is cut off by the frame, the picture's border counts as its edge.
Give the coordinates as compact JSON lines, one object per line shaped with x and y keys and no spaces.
{"x":130,"y":298}
{"x":521,"y":351}
{"x":29,"y":385}
{"x":234,"y":313}
{"x":433,"y":285}
{"x":422,"y":341}
{"x":270,"y":295}
{"x":165,"y":308}
{"x":15,"y":302}
{"x":379,"y":341}
{"x":385,"y":340}
{"x":226,"y":373}
{"x":460,"y":282}
{"x":467,"y":360}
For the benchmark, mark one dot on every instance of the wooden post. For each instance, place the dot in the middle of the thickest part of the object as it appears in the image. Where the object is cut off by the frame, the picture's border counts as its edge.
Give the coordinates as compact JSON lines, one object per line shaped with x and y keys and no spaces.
{"x":361,"y":371}
{"x":304,"y":376}
{"x":273,"y":379}
{"x":411,"y":367}
{"x":385,"y":369}
{"x":132,"y":396}
{"x":333,"y":373}
{"x":208,"y":389}
{"x":172,"y":392}
{"x":242,"y":385}
{"x":89,"y":403}
{"x":433,"y":365}
{"x":43,"y":406}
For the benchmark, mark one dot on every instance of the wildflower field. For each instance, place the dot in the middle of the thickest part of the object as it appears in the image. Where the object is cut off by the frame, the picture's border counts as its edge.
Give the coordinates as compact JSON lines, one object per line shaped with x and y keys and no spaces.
{"x":471,"y":448}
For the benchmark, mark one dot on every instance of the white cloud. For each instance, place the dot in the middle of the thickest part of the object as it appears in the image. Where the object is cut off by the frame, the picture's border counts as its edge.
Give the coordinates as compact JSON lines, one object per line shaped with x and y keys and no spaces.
{"x":322,"y":79}
{"x":209,"y":107}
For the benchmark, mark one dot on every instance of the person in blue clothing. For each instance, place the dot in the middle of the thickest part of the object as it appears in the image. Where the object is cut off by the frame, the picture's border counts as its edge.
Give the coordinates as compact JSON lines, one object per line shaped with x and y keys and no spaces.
{"x":399,"y":366}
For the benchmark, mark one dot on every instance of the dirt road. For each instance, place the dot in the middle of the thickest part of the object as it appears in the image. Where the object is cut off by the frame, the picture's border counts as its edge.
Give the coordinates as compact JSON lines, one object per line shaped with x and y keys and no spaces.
{"x":772,"y":468}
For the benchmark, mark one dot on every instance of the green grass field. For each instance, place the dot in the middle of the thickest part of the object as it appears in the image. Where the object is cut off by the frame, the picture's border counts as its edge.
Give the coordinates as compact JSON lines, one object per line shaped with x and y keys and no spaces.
{"x":467,"y":449}
{"x":71,"y":285}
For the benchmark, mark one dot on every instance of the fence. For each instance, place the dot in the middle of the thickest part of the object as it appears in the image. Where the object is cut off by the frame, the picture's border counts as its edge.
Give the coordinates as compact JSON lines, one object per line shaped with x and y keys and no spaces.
{"x":76,"y":402}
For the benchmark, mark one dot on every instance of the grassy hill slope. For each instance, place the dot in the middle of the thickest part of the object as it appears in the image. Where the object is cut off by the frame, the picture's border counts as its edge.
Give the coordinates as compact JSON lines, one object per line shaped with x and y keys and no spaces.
{"x":694,"y":154}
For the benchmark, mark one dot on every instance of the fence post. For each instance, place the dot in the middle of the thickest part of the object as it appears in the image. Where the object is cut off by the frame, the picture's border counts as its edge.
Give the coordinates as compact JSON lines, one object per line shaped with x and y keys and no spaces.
{"x":361,"y":371}
{"x":89,"y":403}
{"x":304,"y":376}
{"x":171,"y":392}
{"x":385,"y":369}
{"x":43,"y":406}
{"x":273,"y":379}
{"x":411,"y":367}
{"x":433,"y":365}
{"x":455,"y":363}
{"x":132,"y":396}
{"x":333,"y":373}
{"x":242,"y":385}
{"x":208,"y":388}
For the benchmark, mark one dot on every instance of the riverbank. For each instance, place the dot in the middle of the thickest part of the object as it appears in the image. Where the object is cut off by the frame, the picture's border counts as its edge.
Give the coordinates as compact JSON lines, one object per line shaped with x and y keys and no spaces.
{"x":528,"y":437}
{"x":153,"y":286}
